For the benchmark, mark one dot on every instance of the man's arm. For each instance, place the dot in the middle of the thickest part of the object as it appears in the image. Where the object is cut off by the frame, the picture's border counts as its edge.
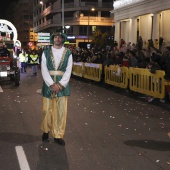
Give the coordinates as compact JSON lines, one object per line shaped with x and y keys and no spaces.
{"x":67,"y":74}
{"x":45,"y":72}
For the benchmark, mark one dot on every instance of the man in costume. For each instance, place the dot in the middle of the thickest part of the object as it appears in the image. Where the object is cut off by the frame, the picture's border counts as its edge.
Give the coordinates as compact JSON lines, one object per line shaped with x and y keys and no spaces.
{"x":56,"y":67}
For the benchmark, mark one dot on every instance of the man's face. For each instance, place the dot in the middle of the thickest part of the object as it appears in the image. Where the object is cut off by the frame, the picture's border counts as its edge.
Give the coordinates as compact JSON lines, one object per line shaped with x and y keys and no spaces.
{"x":1,"y":45}
{"x":58,"y":40}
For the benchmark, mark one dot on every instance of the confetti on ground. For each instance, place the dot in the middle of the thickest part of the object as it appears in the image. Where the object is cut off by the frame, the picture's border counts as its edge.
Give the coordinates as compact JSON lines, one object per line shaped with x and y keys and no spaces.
{"x":44,"y":149}
{"x":39,"y":91}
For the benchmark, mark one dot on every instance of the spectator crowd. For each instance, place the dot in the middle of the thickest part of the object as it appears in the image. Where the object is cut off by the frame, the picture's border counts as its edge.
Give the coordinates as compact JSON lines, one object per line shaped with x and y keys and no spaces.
{"x":151,"y":55}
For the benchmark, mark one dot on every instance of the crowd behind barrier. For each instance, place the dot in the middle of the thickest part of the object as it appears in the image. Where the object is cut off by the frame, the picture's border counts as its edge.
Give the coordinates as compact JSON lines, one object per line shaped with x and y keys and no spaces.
{"x":138,"y":68}
{"x":136,"y":79}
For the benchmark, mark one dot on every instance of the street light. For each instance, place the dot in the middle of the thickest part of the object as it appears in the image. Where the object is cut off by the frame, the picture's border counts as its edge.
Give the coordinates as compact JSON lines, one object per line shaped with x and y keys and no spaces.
{"x":63,"y":16}
{"x":91,"y":9}
{"x":41,"y":2}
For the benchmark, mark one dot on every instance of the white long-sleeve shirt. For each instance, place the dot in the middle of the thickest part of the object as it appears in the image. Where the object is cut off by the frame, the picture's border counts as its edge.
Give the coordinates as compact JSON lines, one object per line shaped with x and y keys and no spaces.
{"x":57,"y":53}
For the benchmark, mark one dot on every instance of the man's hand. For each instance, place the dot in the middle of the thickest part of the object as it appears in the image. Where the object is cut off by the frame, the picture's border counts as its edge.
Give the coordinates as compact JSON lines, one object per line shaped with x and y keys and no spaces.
{"x":55,"y":89}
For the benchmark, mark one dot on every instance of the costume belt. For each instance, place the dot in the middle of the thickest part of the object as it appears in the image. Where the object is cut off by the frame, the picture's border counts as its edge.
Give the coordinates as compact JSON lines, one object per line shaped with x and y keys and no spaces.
{"x":55,"y":73}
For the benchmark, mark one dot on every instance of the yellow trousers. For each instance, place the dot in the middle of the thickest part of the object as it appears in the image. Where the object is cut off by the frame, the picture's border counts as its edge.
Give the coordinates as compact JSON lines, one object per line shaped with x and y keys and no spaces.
{"x":54,"y":116}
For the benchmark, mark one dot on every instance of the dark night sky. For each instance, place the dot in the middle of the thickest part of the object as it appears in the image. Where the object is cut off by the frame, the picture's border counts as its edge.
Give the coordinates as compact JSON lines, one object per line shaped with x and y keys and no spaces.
{"x":4,"y":4}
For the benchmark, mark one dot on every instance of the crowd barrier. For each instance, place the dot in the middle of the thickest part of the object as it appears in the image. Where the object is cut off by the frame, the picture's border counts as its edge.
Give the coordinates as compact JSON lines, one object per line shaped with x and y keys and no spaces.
{"x":78,"y":69}
{"x":116,"y":76}
{"x":136,"y":79}
{"x":92,"y":71}
{"x":143,"y":81}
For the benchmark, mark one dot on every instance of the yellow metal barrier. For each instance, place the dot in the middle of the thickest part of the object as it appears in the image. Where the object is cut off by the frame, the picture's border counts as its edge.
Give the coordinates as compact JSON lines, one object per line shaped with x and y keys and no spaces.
{"x":137,"y":79}
{"x":92,"y":71}
{"x":142,"y":81}
{"x":111,"y":76}
{"x":77,"y":69}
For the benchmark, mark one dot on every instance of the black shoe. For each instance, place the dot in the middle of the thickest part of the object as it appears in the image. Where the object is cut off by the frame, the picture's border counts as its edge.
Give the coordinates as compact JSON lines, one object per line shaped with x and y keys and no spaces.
{"x":59,"y":141}
{"x":45,"y":137}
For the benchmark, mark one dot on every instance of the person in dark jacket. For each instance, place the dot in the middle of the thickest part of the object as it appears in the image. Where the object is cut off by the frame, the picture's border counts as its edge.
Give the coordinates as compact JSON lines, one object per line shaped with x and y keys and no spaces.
{"x":132,"y":59}
{"x":3,"y":51}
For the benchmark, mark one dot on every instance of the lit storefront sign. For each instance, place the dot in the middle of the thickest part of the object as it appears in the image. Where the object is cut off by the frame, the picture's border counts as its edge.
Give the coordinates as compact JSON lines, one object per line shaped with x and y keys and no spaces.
{"x":44,"y":37}
{"x":82,"y":36}
{"x":71,"y":37}
{"x":122,"y":3}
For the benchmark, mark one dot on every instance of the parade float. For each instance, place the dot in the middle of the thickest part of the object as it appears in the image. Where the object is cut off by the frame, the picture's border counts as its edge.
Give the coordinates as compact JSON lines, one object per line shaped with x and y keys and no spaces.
{"x":9,"y":65}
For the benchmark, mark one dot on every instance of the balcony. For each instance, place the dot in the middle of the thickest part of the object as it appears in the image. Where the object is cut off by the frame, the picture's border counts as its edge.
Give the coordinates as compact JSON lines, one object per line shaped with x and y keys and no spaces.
{"x":82,"y":5}
{"x":95,"y":21}
{"x":90,"y":4}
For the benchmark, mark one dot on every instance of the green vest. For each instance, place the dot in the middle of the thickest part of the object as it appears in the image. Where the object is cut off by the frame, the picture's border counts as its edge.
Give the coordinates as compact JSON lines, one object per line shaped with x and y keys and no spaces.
{"x":46,"y":91}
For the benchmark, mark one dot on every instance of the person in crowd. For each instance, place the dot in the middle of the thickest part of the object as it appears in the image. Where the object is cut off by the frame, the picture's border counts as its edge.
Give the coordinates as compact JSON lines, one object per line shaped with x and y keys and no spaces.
{"x":132,"y":58}
{"x":56,"y":67}
{"x":123,"y":48}
{"x":165,"y":65}
{"x":122,"y":42}
{"x":140,"y":43}
{"x":143,"y":61}
{"x":161,"y":40}
{"x":150,"y":43}
{"x":99,"y":59}
{"x":109,"y":59}
{"x":34,"y":61}
{"x":156,"y":43}
{"x":129,"y":46}
{"x":4,"y":52}
{"x":78,"y":57}
{"x":115,"y":44}
{"x":84,"y":55}
{"x":118,"y":59}
{"x":153,"y":66}
{"x":23,"y":58}
{"x":133,"y":47}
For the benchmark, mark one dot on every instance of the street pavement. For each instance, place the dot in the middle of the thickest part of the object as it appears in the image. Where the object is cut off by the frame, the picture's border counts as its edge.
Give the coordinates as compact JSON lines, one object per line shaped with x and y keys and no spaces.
{"x":107,"y":129}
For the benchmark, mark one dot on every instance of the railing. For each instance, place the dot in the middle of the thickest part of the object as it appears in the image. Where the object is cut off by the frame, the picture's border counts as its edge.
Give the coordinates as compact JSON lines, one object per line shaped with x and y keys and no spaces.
{"x":92,"y":71}
{"x":78,"y":69}
{"x":143,"y":81}
{"x":112,"y":76}
{"x":137,"y":79}
{"x":95,"y":19}
{"x":81,"y":20}
{"x":102,"y":5}
{"x":89,"y":4}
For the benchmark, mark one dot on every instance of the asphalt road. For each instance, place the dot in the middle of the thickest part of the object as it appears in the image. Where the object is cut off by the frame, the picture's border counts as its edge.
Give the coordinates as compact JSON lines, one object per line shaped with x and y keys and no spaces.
{"x":106,"y":129}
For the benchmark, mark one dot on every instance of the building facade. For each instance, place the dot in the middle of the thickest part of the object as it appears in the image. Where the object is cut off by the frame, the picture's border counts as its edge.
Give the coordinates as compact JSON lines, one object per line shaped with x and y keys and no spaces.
{"x":146,"y":18}
{"x":21,"y":15}
{"x":52,"y":15}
